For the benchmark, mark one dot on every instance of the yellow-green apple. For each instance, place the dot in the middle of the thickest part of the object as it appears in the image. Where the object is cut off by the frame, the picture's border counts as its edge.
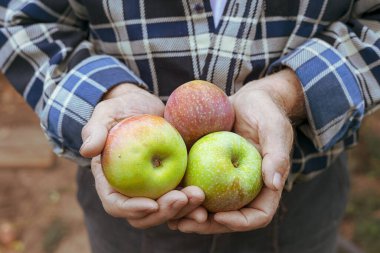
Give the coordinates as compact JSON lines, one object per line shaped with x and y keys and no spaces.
{"x":144,"y":156}
{"x":227,"y":168}
{"x":197,"y":108}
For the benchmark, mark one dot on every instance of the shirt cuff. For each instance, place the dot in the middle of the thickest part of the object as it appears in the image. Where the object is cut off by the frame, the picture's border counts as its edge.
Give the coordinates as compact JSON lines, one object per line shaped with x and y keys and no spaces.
{"x":71,"y":104}
{"x":333,"y":99}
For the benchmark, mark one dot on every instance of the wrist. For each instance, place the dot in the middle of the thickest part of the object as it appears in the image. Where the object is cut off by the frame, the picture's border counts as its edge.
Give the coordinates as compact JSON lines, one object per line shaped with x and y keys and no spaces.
{"x":286,"y":90}
{"x":121,"y":89}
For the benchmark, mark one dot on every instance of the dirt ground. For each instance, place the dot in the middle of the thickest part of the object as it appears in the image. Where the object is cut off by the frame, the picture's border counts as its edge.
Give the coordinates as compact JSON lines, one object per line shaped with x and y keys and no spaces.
{"x":41,"y":206}
{"x":39,"y":212}
{"x":38,"y":208}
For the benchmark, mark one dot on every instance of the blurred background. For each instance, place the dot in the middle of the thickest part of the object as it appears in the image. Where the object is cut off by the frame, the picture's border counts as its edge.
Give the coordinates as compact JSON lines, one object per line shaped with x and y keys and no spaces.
{"x":38,"y":208}
{"x":39,"y":212}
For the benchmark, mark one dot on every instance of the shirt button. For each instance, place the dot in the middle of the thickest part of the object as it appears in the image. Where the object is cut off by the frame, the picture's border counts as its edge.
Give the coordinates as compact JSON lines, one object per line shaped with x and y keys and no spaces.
{"x":198,"y":7}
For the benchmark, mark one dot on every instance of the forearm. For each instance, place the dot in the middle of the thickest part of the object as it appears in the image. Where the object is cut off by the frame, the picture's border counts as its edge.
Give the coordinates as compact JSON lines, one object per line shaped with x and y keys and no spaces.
{"x":123,"y":89}
{"x":286,"y":91}
{"x":340,"y":78}
{"x":49,"y":61}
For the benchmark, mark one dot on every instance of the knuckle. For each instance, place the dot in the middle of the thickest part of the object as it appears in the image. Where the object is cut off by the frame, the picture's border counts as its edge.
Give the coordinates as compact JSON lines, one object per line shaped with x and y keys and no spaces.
{"x":285,"y":159}
{"x":85,"y":132}
{"x":102,"y":106}
{"x":183,"y":201}
{"x":107,"y":108}
{"x":197,"y":199}
{"x":282,"y":159}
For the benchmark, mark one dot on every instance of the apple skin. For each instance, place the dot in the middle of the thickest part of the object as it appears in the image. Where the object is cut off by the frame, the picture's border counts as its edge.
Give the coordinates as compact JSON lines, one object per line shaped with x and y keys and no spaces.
{"x":144,"y":156}
{"x":197,"y":108}
{"x":211,"y":166}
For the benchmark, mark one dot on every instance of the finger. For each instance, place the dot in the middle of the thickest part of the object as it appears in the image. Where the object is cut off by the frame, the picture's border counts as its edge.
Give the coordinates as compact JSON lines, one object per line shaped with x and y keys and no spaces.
{"x":276,"y":140}
{"x":275,"y":169}
{"x":169,"y":205}
{"x":173,"y":224}
{"x":129,"y":208}
{"x":102,"y":186}
{"x":115,"y":203}
{"x":199,"y":214}
{"x":195,"y":198}
{"x":94,"y":134}
{"x":208,"y":227}
{"x":256,"y":215}
{"x":121,"y":102}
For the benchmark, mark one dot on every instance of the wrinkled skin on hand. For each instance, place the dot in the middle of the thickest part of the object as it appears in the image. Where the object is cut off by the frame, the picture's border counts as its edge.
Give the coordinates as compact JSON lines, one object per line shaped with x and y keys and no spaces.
{"x":123,"y":101}
{"x":264,"y":110}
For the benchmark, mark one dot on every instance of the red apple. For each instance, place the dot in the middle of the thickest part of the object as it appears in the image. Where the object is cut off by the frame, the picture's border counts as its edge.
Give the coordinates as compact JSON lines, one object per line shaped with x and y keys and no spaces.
{"x":197,"y":108}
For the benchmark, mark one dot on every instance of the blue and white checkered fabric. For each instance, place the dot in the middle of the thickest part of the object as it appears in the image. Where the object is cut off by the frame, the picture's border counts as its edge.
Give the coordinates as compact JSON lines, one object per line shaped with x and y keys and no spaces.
{"x":64,"y":55}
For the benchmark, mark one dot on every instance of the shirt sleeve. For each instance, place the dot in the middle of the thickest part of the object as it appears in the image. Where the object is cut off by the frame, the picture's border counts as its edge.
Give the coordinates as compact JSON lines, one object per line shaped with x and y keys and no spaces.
{"x":46,"y":55}
{"x":339,"y":70}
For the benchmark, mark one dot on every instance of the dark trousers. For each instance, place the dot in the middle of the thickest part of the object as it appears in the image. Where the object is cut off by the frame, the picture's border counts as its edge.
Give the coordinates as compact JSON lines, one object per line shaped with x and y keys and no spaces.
{"x":307,"y":221}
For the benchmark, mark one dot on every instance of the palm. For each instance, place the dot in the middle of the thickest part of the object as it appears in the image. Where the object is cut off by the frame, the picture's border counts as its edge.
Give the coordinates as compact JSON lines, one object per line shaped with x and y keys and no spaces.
{"x":121,"y":102}
{"x":260,"y":120}
{"x":247,"y":128}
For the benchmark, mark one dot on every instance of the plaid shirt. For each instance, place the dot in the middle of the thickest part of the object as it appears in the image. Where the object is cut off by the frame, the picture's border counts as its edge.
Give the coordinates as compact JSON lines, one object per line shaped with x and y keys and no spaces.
{"x":62,"y":56}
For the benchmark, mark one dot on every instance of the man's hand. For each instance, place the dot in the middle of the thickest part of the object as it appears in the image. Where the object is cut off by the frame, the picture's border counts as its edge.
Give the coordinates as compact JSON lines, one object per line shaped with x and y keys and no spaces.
{"x":124,"y":101}
{"x":263,"y":110}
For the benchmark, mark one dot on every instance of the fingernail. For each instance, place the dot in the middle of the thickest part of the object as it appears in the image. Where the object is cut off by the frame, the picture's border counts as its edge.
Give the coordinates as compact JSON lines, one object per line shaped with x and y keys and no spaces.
{"x":277,"y":181}
{"x":152,"y":208}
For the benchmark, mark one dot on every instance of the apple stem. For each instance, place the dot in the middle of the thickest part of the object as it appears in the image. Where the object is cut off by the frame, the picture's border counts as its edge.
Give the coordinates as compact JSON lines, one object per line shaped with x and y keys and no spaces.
{"x":156,"y":162}
{"x":235,"y":163}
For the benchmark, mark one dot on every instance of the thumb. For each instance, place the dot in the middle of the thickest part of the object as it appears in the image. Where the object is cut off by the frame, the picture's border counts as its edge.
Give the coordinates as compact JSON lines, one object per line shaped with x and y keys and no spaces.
{"x":275,"y":169}
{"x":95,"y":132}
{"x":276,"y":141}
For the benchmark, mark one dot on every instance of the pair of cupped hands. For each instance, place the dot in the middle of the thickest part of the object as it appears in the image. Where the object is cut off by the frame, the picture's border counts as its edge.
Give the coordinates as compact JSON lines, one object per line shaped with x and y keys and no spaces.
{"x":263,"y":112}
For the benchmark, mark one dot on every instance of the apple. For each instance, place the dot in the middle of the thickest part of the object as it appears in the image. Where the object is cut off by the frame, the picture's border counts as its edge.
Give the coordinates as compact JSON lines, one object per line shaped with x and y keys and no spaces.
{"x":227,"y":168}
{"x":197,"y":108}
{"x":144,"y":156}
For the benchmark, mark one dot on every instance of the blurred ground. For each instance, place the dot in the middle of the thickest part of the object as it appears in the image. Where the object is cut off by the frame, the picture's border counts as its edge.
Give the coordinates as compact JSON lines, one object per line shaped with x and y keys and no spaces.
{"x":362,"y":220}
{"x":39,"y":212}
{"x":38,"y":208}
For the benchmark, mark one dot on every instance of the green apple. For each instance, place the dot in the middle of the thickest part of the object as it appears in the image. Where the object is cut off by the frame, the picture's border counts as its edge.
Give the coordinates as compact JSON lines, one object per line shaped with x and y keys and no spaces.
{"x":227,"y":168}
{"x":144,"y":156}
